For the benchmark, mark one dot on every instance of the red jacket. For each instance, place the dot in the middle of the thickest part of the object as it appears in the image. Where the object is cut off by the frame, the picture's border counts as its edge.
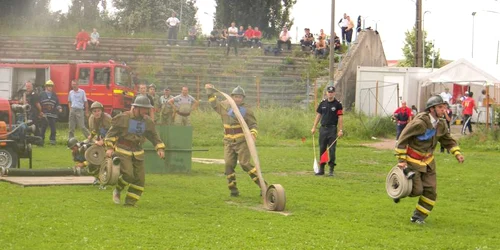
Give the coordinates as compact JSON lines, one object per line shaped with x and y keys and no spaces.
{"x":469,"y":105}
{"x":403,"y":115}
{"x":82,"y":36}
{"x":249,"y":33}
{"x":257,"y":34}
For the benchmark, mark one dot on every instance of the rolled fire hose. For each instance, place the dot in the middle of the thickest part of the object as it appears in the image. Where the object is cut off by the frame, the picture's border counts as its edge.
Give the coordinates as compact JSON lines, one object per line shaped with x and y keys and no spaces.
{"x":110,"y":172}
{"x":274,"y":196}
{"x":95,"y":154}
{"x":397,"y":185}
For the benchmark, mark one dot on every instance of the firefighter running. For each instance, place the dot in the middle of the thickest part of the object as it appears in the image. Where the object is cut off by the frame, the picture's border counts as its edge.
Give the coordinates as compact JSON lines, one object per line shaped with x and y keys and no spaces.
{"x":235,"y":146}
{"x":415,"y":148}
{"x":128,"y":132}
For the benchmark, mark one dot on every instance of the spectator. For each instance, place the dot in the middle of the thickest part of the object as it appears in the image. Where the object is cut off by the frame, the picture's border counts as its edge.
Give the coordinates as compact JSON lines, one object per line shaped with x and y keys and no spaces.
{"x":403,"y":116}
{"x":336,"y":42}
{"x":248,"y":36}
{"x":213,"y":38}
{"x":94,"y":38}
{"x":308,"y":40}
{"x":414,"y":110}
{"x":343,"y":23}
{"x":78,"y":109}
{"x":33,"y":99}
{"x":241,"y":34}
{"x":322,"y":34}
{"x":469,"y":105}
{"x":257,"y":35}
{"x":192,"y":35}
{"x":182,"y":106}
{"x":172,"y":24}
{"x":284,"y":38}
{"x":166,"y":110}
{"x":81,"y":40}
{"x":446,"y":95}
{"x":50,"y":106}
{"x":348,"y":30}
{"x":232,"y":39}
{"x":223,"y":37}
{"x":152,"y":96}
{"x":320,"y":47}
{"x":481,"y":99}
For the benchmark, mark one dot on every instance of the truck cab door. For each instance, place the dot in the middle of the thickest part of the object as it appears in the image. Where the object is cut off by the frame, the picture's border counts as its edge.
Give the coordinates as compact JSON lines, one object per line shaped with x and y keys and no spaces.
{"x":6,"y":82}
{"x":101,"y":85}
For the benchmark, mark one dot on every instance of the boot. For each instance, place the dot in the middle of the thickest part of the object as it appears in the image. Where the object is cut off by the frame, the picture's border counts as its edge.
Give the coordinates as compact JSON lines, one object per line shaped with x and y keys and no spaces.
{"x":330,"y":173}
{"x":235,"y":193}
{"x":321,"y":170}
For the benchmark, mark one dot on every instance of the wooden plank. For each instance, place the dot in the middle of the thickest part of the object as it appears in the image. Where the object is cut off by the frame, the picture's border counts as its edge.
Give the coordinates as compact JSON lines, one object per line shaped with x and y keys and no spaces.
{"x":48,"y":180}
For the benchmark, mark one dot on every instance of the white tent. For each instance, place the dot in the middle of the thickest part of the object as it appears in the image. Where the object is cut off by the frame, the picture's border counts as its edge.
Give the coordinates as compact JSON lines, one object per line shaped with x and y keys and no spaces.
{"x":460,"y":72}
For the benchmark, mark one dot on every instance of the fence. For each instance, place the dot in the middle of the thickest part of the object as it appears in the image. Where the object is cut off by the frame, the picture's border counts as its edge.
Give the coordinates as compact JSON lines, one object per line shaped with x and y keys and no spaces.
{"x":379,"y":100}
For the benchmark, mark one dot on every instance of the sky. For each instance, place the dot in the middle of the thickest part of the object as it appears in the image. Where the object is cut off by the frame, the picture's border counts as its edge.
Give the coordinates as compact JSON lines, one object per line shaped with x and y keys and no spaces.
{"x":448,"y":22}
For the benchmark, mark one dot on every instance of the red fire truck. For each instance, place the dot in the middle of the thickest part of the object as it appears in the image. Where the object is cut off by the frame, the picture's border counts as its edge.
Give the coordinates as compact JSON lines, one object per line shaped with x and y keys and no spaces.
{"x":109,"y":83}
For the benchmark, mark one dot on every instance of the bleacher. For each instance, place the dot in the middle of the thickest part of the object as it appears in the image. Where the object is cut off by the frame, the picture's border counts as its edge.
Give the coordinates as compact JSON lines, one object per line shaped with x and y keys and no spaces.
{"x":277,"y":79}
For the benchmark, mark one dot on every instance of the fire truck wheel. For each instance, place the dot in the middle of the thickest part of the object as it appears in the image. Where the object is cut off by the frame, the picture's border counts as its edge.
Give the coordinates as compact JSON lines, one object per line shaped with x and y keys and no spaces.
{"x":8,"y":158}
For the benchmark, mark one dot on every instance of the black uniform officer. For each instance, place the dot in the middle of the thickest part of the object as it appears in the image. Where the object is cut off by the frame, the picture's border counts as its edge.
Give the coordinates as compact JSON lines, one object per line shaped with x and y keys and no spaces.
{"x":330,"y":112}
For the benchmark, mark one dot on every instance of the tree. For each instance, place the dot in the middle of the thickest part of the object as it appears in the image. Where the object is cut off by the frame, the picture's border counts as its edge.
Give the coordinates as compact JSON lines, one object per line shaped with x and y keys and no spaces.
{"x":16,"y":13}
{"x":409,"y":52}
{"x":269,"y":15}
{"x":150,"y":15}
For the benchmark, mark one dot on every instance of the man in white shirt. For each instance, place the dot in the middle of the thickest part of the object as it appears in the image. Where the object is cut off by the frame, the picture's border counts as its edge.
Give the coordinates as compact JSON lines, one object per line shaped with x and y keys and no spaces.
{"x":172,"y":23}
{"x":343,"y":25}
{"x":232,"y":39}
{"x":285,"y":38}
{"x":94,"y":38}
{"x":446,"y":95}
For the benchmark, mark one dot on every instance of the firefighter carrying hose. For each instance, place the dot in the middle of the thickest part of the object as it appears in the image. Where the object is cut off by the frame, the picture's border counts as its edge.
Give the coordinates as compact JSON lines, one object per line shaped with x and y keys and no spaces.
{"x":124,"y":139}
{"x":415,"y":148}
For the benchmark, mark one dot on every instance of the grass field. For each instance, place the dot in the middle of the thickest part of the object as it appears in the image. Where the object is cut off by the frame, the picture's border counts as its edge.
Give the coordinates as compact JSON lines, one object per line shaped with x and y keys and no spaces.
{"x":194,"y":210}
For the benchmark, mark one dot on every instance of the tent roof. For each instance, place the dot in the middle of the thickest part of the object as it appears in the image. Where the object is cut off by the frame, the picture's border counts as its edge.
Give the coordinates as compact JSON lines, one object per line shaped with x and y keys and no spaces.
{"x":461,"y":72}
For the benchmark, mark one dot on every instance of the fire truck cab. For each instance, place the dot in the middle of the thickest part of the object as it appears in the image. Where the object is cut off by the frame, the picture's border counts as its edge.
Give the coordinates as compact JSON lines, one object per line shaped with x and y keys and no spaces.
{"x":109,"y":83}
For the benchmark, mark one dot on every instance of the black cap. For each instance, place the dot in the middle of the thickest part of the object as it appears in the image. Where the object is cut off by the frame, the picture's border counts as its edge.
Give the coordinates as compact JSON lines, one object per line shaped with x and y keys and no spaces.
{"x":306,"y":29}
{"x":330,"y":89}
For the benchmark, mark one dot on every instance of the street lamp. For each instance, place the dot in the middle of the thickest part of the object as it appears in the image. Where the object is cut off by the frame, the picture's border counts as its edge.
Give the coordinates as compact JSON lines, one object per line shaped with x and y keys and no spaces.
{"x":423,"y":34}
{"x":473,"y":15}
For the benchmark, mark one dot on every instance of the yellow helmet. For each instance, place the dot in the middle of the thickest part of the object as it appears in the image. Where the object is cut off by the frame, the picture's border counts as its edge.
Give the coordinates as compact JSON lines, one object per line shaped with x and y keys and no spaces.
{"x":49,"y":83}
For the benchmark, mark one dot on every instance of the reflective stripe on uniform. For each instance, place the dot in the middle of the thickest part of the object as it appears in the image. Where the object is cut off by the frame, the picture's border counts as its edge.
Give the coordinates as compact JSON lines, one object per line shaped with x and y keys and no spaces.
{"x":133,"y":196}
{"x":427,"y":200}
{"x":420,"y":162}
{"x":252,"y":171}
{"x":136,"y":187}
{"x":231,"y":184}
{"x":423,"y":209}
{"x":231,"y":176}
{"x":232,"y":126}
{"x":128,"y":153}
{"x":235,"y":136}
{"x":160,"y":146}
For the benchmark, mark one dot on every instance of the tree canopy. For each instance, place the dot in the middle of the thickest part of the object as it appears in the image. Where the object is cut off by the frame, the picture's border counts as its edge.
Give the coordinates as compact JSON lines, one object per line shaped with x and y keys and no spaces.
{"x":269,"y":15}
{"x":409,"y":51}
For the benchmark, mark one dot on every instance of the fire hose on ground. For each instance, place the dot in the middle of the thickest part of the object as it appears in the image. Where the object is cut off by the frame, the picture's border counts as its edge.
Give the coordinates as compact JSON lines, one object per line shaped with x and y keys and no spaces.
{"x":274,"y":195}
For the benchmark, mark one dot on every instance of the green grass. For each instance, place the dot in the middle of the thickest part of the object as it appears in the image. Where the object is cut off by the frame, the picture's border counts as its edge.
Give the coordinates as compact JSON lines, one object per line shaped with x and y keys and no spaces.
{"x":194,"y":210}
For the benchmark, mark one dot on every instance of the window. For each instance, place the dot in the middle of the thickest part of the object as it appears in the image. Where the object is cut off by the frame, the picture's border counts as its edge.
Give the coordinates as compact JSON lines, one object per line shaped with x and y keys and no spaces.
{"x":122,"y":77}
{"x":102,"y":76}
{"x":84,"y":76}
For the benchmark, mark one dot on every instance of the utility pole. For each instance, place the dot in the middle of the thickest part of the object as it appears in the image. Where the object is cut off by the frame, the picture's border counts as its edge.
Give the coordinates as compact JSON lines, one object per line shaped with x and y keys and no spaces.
{"x":332,"y":47}
{"x":418,"y":35}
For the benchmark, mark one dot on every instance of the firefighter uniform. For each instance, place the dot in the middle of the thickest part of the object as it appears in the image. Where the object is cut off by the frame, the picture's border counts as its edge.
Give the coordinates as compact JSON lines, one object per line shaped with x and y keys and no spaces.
{"x":235,"y":146}
{"x":125,"y":137}
{"x":415,"y":146}
{"x":98,"y":128}
{"x":166,"y":113}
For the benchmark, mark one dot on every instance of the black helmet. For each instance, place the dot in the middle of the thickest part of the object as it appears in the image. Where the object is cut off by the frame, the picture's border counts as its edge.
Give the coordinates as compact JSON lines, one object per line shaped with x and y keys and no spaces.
{"x":433,"y":101}
{"x":72,"y":142}
{"x":142,"y":101}
{"x":238,"y":91}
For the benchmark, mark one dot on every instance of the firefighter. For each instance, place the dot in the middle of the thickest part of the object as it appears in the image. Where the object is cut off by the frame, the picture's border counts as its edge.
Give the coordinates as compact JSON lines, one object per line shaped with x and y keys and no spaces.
{"x":235,"y":146}
{"x":415,"y":148}
{"x":166,"y":109}
{"x":50,"y":106}
{"x":78,"y":153}
{"x":182,"y":106}
{"x":124,"y":139}
{"x":99,"y":123}
{"x":156,"y":108}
